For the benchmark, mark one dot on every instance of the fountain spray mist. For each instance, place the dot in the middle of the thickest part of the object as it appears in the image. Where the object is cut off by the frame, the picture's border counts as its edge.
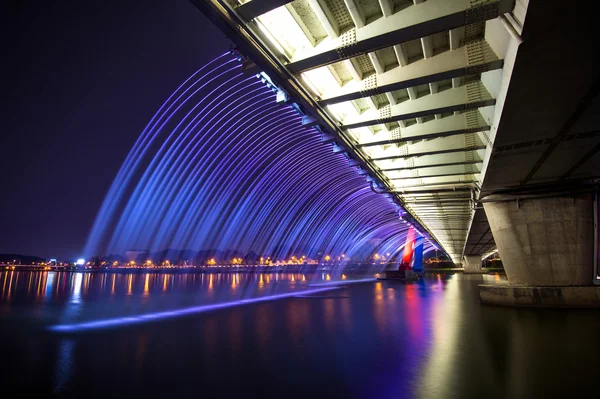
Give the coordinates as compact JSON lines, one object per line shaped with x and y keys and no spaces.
{"x":223,"y":166}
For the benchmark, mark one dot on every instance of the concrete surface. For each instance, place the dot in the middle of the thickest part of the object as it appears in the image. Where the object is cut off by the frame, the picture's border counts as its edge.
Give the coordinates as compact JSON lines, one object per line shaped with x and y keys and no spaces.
{"x":545,"y":242}
{"x":546,"y":297}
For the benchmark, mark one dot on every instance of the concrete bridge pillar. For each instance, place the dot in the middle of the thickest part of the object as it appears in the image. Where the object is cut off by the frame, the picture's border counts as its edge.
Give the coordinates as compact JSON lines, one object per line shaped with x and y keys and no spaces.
{"x":547,"y":248}
{"x":472,"y":264}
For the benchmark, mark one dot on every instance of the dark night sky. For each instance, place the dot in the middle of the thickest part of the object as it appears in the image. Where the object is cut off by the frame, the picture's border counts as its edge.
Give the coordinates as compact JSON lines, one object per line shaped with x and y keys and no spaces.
{"x":83,"y":80}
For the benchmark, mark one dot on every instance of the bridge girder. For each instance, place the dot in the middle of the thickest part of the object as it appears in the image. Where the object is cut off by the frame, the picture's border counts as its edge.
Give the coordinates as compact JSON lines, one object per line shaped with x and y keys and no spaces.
{"x":416,"y":90}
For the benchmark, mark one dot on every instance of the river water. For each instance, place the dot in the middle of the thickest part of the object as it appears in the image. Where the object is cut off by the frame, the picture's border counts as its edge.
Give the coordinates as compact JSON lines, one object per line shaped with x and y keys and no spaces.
{"x":285,"y":335}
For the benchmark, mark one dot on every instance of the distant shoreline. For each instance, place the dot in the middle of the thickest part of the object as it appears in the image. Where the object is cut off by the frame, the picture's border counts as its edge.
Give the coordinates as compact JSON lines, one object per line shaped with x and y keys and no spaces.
{"x":214,"y":269}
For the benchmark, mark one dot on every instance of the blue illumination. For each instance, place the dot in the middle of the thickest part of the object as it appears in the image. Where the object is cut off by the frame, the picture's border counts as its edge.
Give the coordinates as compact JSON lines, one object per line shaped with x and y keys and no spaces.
{"x":149,"y":317}
{"x":337,"y":283}
{"x":222,"y":166}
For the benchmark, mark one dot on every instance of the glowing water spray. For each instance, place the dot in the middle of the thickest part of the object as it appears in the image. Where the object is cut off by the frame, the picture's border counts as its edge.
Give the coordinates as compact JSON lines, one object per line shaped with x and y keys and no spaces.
{"x":223,"y":166}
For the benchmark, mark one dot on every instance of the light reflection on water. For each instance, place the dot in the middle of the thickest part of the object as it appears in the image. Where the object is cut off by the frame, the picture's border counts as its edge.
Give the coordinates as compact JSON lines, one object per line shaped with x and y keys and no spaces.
{"x":429,"y":339}
{"x":66,"y":297}
{"x":60,"y":285}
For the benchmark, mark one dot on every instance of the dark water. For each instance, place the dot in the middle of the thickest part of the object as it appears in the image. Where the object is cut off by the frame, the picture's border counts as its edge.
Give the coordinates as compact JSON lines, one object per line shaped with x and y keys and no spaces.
{"x":429,"y":339}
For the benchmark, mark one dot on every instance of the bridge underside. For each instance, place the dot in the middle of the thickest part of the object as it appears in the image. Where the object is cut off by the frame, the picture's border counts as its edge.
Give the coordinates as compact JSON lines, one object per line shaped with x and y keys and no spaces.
{"x":541,"y":186}
{"x":447,"y":106}
{"x":548,"y":140}
{"x":411,"y":90}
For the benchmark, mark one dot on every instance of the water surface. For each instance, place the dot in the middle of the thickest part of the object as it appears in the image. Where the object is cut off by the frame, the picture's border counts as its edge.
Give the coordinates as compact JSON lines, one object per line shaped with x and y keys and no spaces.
{"x":430,"y":339}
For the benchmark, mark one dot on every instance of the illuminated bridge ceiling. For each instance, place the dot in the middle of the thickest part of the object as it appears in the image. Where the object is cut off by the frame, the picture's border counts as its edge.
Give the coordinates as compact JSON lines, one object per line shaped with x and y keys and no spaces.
{"x":412,"y":90}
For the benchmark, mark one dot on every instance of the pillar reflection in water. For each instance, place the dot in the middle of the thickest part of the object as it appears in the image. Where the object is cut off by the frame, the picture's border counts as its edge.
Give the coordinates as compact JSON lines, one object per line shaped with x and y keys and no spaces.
{"x":459,"y":339}
{"x":445,"y":320}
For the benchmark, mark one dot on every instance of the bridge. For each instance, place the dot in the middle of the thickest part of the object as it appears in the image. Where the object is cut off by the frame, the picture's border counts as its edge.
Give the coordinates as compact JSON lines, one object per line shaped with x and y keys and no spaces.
{"x":477,"y":117}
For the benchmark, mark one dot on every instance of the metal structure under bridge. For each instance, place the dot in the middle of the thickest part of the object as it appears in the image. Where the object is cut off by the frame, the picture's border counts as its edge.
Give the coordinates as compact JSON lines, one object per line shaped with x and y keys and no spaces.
{"x":450,"y":107}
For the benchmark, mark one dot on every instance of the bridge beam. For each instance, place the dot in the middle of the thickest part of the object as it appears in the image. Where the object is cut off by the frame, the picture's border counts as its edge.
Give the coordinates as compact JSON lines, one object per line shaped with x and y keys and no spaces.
{"x":452,"y":125}
{"x":444,"y":66}
{"x":255,"y":8}
{"x":433,"y":16}
{"x":462,"y":98}
{"x":435,"y":152}
{"x":432,"y":147}
{"x":428,"y":182}
{"x":437,"y":165}
{"x":426,"y":176}
{"x":433,"y":186}
{"x":387,"y":7}
{"x":459,"y":157}
{"x":325,"y":17}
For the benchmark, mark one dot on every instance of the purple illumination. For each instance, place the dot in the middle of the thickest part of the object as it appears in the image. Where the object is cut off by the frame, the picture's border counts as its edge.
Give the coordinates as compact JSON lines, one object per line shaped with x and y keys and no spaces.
{"x":144,"y":318}
{"x":222,"y":166}
{"x":337,"y":283}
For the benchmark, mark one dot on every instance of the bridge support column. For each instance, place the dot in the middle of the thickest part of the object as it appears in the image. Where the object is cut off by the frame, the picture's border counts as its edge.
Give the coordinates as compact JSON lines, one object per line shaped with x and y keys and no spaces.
{"x":547,"y":248}
{"x":472,"y":264}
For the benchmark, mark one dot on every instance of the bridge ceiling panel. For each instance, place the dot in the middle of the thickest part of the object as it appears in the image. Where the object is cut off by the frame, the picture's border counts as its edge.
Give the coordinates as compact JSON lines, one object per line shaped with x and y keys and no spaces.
{"x":447,"y":64}
{"x":588,"y":121}
{"x":449,"y":125}
{"x":548,"y":131}
{"x":480,"y":240}
{"x":564,"y":157}
{"x":408,"y":85}
{"x":511,"y":170}
{"x":449,"y":158}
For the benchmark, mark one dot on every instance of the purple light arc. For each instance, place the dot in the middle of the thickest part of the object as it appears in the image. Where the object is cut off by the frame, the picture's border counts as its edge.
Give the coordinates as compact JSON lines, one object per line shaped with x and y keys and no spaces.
{"x":223,"y":166}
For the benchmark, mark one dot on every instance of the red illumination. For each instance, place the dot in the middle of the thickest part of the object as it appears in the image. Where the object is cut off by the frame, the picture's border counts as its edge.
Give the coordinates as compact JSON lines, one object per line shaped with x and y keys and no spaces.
{"x":409,"y":250}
